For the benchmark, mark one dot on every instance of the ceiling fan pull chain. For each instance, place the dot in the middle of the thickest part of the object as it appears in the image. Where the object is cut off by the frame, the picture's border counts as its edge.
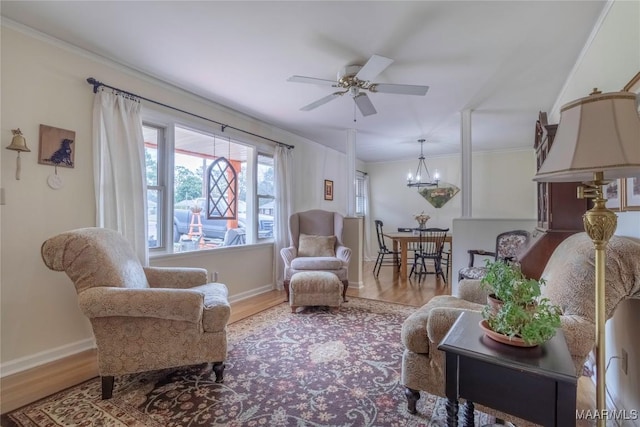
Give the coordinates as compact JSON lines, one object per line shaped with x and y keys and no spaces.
{"x":354,"y":111}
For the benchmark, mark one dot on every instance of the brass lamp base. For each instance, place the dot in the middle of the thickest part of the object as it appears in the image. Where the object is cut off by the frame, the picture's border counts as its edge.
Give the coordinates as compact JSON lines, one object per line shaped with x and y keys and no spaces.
{"x":600,"y":223}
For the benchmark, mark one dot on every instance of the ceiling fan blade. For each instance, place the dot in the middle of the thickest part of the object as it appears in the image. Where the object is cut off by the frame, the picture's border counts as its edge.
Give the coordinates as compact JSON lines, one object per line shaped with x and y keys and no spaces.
{"x":312,"y":80}
{"x":374,"y":66}
{"x":364,"y":104}
{"x":321,"y":101}
{"x":399,"y":89}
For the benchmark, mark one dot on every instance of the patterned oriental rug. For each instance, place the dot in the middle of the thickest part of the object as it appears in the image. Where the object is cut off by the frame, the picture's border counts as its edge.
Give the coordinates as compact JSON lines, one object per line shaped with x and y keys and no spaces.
{"x":313,"y":368}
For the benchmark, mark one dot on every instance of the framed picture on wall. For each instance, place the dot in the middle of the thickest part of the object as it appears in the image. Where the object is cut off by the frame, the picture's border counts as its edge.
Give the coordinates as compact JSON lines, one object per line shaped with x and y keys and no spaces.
{"x":634,"y":86}
{"x":631,"y":187}
{"x":328,"y":189}
{"x":612,"y":194}
{"x":57,"y":147}
{"x":631,"y":196}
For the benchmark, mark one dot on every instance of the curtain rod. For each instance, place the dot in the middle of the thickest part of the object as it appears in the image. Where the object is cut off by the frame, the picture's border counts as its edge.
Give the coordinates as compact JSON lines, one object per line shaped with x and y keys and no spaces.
{"x":96,"y":84}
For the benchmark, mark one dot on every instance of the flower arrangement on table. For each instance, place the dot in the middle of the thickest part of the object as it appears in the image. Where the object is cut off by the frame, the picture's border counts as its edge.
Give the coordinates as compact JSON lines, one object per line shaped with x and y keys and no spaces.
{"x":422,"y":219}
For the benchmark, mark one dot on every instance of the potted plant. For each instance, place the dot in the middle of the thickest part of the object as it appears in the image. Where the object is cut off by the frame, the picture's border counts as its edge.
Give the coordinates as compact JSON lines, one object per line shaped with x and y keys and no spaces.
{"x":521,"y":316}
{"x":498,"y":279}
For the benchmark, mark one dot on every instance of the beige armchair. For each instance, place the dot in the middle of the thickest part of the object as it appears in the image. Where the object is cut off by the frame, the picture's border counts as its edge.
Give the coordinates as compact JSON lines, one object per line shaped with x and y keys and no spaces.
{"x":143,"y":318}
{"x":569,"y":275}
{"x":316,"y":245}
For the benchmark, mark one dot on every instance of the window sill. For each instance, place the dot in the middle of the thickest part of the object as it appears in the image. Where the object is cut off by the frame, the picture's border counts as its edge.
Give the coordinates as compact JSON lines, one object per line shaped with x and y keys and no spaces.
{"x":161,"y":255}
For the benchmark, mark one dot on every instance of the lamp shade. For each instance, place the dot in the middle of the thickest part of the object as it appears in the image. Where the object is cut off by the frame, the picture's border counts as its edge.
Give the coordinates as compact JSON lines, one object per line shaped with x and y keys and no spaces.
{"x":599,"y":133}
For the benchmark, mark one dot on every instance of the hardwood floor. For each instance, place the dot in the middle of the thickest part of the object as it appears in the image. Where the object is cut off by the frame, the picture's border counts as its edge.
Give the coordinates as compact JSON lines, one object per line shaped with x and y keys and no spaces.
{"x":385,"y":287}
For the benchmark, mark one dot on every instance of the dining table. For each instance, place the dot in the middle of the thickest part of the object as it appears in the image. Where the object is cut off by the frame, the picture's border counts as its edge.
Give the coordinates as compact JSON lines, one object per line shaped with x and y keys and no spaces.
{"x":401,"y":240}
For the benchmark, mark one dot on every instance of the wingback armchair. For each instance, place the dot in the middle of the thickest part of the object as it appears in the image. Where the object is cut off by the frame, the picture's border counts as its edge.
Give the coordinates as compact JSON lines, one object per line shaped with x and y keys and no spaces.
{"x":143,"y":318}
{"x":316,"y":245}
{"x":570,"y":278}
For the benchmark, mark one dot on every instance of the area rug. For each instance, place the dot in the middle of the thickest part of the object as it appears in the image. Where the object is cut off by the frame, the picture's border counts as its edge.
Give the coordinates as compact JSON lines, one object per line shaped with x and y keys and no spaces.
{"x":312,"y":368}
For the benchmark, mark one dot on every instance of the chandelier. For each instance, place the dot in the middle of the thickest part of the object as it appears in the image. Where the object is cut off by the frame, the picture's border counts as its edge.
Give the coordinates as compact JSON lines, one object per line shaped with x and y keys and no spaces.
{"x":422,"y":177}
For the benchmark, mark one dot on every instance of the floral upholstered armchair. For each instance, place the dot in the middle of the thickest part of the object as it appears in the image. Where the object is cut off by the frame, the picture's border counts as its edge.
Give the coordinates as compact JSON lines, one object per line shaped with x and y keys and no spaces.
{"x":143,"y":318}
{"x":316,"y":245}
{"x":570,"y":278}
{"x":508,"y":246}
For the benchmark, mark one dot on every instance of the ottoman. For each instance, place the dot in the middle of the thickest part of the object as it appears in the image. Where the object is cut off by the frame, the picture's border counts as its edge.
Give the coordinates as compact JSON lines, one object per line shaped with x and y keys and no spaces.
{"x":308,"y":288}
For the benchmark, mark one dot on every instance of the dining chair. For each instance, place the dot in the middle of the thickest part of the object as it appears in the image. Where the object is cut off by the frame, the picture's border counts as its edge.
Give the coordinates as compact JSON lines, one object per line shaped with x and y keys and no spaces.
{"x":430,"y":245}
{"x":446,"y":258}
{"x":383,"y":251}
{"x":412,"y":247}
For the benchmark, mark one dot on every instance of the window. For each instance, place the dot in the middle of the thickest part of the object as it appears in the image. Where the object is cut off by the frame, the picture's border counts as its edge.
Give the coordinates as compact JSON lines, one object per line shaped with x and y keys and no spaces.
{"x":361,"y":194}
{"x":154,"y":137}
{"x":210,"y":201}
{"x":266,"y":196}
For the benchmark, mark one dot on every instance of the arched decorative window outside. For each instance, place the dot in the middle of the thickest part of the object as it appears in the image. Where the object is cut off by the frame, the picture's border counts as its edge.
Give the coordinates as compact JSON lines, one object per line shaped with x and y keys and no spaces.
{"x":222,"y":190}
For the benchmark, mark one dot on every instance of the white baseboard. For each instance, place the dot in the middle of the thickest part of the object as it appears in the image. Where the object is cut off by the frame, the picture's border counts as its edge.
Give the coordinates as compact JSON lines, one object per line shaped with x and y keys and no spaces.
{"x":22,"y":364}
{"x":356,"y":285}
{"x":253,"y":292}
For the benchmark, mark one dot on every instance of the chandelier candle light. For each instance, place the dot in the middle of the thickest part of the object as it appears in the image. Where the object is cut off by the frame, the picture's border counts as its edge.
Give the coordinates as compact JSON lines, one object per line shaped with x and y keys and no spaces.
{"x":422,"y":177}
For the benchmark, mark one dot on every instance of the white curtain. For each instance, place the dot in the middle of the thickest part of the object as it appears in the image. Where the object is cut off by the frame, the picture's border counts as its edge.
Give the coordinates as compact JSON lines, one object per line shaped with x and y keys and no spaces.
{"x":282,"y":161}
{"x":119,"y":168}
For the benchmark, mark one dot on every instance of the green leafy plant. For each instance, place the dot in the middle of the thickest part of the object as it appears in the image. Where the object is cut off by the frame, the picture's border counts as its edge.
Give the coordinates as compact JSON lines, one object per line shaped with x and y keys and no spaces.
{"x":499,"y":277}
{"x":535,"y":323}
{"x":523,"y":313}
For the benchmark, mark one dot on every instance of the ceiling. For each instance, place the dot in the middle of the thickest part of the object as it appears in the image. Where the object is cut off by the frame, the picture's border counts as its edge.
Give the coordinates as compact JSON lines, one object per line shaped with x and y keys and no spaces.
{"x":504,"y":60}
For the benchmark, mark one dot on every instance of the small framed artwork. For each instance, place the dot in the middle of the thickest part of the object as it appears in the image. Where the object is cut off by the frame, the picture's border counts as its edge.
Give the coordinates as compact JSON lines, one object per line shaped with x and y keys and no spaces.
{"x":328,"y":189}
{"x":57,"y":147}
{"x":634,"y":86}
{"x":631,"y":196}
{"x":612,"y":194}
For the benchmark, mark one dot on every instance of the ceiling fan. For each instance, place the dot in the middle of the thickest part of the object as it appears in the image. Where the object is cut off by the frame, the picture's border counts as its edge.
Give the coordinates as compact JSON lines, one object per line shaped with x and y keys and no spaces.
{"x":355,"y":79}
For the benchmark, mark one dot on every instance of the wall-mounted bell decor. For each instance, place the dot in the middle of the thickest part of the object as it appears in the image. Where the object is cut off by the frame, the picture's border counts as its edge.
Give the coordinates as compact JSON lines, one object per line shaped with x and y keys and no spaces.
{"x":19,"y":144}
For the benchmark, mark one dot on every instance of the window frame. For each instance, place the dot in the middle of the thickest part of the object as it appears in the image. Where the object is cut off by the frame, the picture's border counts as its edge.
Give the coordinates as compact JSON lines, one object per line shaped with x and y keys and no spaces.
{"x":264,"y":196}
{"x":360,"y":185}
{"x":160,"y":186}
{"x":168,"y":123}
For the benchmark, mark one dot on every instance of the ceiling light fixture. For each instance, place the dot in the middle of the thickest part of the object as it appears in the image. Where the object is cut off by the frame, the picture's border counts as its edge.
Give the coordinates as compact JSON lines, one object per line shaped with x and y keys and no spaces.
{"x":422,"y":177}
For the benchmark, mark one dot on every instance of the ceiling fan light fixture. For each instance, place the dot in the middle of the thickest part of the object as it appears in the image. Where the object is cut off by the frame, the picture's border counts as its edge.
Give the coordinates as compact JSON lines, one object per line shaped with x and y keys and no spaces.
{"x":422,"y":178}
{"x":355,"y":79}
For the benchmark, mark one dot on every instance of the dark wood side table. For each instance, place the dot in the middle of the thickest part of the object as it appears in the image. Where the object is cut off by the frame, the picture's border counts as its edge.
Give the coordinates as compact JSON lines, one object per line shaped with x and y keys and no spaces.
{"x":538,"y":384}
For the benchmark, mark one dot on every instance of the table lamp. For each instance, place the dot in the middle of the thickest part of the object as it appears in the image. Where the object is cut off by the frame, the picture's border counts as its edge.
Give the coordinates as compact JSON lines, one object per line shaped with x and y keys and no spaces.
{"x":598,"y":140}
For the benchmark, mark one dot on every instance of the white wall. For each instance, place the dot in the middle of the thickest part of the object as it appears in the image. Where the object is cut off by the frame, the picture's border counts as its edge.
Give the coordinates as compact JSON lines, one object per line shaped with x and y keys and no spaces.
{"x":502,"y":188}
{"x":44,"y":82}
{"x":313,"y":163}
